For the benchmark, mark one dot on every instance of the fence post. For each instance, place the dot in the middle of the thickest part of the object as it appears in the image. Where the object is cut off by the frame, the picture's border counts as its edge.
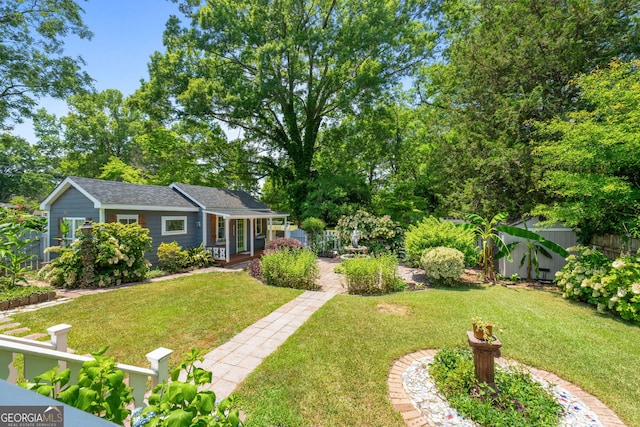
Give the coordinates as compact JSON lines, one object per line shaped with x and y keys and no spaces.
{"x":58,"y":334}
{"x":159,"y":360}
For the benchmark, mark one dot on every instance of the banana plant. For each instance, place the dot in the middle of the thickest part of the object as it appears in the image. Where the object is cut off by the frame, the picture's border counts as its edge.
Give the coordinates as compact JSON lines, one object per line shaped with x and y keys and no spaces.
{"x":487,"y":230}
{"x":535,"y":244}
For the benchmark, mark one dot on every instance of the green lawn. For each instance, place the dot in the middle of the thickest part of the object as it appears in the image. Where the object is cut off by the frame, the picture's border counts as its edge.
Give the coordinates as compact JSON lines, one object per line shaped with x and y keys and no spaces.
{"x":201,"y":311}
{"x":334,"y":370}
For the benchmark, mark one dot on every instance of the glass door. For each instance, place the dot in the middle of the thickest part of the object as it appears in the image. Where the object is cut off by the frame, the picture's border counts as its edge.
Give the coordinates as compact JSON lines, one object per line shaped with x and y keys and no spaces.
{"x":241,"y":236}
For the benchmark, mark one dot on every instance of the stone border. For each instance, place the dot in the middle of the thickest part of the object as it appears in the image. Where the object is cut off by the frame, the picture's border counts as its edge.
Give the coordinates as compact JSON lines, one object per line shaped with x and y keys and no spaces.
{"x":402,"y":402}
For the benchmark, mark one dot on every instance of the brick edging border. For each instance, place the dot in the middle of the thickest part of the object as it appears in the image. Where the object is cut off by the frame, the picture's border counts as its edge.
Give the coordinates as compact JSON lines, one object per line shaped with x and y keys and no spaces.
{"x":413,"y":417}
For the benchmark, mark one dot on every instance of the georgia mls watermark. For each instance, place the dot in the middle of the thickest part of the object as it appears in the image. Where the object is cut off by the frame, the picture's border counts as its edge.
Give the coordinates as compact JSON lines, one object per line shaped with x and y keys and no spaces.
{"x":31,"y":416}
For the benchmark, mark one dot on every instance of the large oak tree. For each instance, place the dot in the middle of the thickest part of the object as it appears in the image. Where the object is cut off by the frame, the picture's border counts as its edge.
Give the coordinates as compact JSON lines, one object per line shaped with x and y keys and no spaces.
{"x":280,"y":70}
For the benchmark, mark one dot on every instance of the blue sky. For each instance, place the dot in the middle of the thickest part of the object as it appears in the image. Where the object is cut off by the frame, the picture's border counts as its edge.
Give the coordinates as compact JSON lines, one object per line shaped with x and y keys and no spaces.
{"x":126,"y":33}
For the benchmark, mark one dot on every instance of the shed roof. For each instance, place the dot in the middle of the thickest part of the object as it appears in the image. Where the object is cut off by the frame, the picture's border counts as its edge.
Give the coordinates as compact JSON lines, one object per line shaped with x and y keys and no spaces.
{"x":122,"y":195}
{"x":222,"y":200}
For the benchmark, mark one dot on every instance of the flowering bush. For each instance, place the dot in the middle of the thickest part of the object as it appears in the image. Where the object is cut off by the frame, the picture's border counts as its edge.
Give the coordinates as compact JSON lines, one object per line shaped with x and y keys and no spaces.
{"x":432,"y":232}
{"x":443,"y":266}
{"x":611,"y":286}
{"x":116,"y":252}
{"x":282,"y":243}
{"x":374,"y":275}
{"x":379,"y":234}
{"x":290,"y":268}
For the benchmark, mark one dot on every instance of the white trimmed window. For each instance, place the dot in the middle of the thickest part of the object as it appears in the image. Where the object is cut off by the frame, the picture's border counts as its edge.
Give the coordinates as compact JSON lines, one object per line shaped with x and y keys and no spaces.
{"x":172,"y":225}
{"x":74,"y":226}
{"x":127,"y":219}
{"x":220,"y":230}
{"x":259,"y":230}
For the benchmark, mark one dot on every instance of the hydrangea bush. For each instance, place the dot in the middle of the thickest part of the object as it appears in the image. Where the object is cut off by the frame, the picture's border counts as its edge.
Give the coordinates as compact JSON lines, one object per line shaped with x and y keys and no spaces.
{"x":379,"y":234}
{"x":432,"y":232}
{"x":118,"y":253}
{"x":611,"y":286}
{"x":443,"y":266}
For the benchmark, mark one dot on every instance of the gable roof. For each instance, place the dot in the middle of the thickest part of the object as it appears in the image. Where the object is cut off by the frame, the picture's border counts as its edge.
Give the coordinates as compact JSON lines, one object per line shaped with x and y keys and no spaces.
{"x":225,"y":202}
{"x":122,"y":195}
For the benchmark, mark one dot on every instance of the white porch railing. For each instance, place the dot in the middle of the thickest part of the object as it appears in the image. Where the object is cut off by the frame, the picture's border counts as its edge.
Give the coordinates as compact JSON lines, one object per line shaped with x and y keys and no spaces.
{"x":40,"y":357}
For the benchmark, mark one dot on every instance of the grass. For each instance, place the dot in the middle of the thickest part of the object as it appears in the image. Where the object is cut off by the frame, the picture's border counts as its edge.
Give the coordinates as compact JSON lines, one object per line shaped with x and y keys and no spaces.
{"x":201,"y":311}
{"x":334,"y":369}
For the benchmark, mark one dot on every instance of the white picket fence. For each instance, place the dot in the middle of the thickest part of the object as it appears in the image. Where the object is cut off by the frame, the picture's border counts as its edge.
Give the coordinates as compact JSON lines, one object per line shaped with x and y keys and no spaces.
{"x":330,"y":239}
{"x":40,"y":357}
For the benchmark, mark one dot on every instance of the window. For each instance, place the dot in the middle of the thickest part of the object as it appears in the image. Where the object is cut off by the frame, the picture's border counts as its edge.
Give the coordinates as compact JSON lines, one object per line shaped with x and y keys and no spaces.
{"x":74,"y":225}
{"x":259,"y":230}
{"x":174,"y":225}
{"x":220,"y":233}
{"x":127,"y":219}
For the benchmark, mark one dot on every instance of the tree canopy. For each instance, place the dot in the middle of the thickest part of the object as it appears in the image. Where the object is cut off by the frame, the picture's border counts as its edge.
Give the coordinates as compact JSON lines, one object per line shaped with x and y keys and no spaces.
{"x":281,"y":70}
{"x":32,"y":60}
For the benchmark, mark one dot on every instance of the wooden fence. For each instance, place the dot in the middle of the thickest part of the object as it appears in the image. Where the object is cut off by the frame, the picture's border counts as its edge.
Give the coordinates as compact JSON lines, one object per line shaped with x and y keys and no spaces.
{"x":612,"y":246}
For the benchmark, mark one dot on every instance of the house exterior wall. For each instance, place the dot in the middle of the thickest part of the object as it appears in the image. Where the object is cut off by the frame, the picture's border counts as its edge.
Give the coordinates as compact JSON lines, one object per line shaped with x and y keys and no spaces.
{"x":153,"y":221}
{"x":70,"y":204}
{"x":563,"y":236}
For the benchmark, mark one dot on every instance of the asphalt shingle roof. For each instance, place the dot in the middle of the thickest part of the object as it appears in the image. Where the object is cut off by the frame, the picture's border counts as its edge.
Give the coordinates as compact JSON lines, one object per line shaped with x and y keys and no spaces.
{"x":125,"y":193}
{"x":223,"y":200}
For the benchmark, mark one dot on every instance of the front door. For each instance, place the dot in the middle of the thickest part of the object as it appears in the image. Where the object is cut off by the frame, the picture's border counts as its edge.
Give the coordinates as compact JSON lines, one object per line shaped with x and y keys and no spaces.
{"x":241,"y":236}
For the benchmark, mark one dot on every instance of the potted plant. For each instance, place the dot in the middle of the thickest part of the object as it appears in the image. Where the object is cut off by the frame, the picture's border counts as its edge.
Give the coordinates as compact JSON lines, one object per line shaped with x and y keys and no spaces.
{"x":482,"y":329}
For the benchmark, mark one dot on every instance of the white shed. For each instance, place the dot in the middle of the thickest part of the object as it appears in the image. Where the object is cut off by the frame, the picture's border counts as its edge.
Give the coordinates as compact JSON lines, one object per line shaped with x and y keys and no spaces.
{"x":559,"y":234}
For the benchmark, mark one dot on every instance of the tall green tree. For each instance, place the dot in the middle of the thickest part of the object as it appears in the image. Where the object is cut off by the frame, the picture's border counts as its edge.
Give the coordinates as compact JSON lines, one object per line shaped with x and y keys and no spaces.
{"x":506,"y":63}
{"x":23,"y":170}
{"x":589,"y":159}
{"x":32,"y":60}
{"x":281,"y":70}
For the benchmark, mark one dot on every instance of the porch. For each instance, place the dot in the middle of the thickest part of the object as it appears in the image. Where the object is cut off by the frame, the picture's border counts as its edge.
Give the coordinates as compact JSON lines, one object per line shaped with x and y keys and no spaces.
{"x":234,"y":259}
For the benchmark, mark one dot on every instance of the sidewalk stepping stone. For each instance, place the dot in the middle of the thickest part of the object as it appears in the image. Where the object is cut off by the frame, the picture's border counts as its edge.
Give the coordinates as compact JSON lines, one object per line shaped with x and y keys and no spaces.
{"x":8,"y":326}
{"x":5,"y":319}
{"x":17,"y":331}
{"x":36,"y":336}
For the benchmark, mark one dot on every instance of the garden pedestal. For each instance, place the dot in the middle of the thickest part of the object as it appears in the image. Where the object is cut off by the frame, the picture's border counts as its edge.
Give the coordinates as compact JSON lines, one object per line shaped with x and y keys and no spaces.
{"x":484,"y":353}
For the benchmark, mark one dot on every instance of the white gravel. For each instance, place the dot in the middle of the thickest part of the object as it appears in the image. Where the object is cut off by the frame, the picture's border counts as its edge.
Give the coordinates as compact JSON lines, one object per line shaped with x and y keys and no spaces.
{"x":434,"y":407}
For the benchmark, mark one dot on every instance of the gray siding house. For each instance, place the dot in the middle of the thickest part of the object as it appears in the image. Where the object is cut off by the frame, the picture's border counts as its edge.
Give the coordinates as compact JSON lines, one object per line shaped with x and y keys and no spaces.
{"x":231,"y":224}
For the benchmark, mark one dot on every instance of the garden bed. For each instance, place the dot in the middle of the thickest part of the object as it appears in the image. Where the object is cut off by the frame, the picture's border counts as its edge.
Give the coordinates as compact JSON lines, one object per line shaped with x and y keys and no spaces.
{"x":24,"y":295}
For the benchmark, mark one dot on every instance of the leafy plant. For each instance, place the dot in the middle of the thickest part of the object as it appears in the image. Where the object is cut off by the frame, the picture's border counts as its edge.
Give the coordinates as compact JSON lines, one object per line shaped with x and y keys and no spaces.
{"x":14,"y":245}
{"x":182,"y":404}
{"x":482,"y":328}
{"x":171,"y":257}
{"x":100,"y":389}
{"x":119,"y":257}
{"x":290,"y":268}
{"x":432,"y":232}
{"x":487,"y":232}
{"x":535,"y":244}
{"x":519,"y":400}
{"x":314,"y":227}
{"x":443,"y":266}
{"x":379,"y":234}
{"x":372,"y":275}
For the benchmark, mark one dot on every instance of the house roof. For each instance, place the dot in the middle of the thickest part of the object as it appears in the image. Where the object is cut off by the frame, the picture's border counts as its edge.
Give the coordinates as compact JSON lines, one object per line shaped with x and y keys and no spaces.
{"x":122,"y":195}
{"x":232,"y":203}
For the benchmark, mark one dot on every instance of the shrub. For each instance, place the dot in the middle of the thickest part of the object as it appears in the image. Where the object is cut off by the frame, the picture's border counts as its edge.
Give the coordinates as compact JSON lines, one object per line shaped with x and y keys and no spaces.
{"x":254,"y":269}
{"x":610,"y":286}
{"x":171,"y":257}
{"x":115,"y":250}
{"x":290,"y":268}
{"x":443,"y":266}
{"x":432,"y":232}
{"x":314,"y":227}
{"x":379,"y":234}
{"x":282,"y":243}
{"x":374,"y":275}
{"x":520,"y":399}
{"x":199,"y":257}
